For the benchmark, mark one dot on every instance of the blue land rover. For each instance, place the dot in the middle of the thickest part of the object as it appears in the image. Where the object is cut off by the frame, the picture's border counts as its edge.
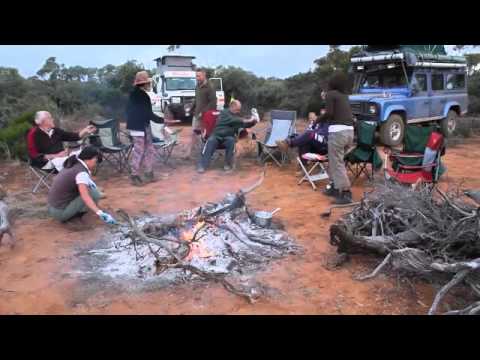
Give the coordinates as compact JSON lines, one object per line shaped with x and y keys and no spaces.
{"x":401,"y":84}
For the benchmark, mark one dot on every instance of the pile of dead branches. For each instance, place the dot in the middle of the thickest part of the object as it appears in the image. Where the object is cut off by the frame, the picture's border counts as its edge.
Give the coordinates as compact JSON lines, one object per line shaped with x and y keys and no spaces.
{"x":428,"y":234}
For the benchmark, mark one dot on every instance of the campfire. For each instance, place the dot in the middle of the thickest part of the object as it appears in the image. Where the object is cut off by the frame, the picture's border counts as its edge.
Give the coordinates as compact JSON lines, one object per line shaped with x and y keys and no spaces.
{"x":219,"y":242}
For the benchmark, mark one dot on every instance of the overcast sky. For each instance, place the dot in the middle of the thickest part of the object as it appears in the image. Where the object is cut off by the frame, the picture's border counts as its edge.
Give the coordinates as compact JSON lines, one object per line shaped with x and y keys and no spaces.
{"x":264,"y":60}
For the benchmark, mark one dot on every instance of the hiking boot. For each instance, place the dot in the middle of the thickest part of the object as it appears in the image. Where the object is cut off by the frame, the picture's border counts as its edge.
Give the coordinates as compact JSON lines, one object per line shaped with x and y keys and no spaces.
{"x":343,"y":198}
{"x":330,"y":191}
{"x":149,"y":178}
{"x":200,"y":170}
{"x":227,"y":168}
{"x":136,"y":180}
{"x":282,"y":145}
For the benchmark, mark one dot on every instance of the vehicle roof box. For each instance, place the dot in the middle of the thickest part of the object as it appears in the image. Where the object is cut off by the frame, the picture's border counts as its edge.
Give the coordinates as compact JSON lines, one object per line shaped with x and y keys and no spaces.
{"x":413,"y":55}
{"x":175,"y":63}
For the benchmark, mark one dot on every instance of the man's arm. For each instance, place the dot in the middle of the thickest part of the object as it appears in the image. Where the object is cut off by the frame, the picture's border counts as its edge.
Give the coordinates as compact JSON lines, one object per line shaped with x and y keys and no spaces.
{"x":68,"y":135}
{"x":249,"y":123}
{"x":241,"y":123}
{"x":89,"y":130}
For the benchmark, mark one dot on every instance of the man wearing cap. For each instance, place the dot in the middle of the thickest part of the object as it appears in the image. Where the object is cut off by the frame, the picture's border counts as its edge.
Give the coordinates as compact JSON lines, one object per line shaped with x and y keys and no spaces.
{"x":205,"y":103}
{"x":139,"y":115}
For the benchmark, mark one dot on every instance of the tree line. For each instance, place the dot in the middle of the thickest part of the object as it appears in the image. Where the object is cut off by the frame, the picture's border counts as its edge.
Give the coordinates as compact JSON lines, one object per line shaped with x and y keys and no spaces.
{"x":70,"y":92}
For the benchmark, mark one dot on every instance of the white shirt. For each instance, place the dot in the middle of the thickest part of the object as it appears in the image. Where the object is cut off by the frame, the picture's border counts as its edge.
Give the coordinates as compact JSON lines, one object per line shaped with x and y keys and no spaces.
{"x":84,"y":177}
{"x":337,"y":128}
{"x":137,"y":133}
{"x":48,"y":132}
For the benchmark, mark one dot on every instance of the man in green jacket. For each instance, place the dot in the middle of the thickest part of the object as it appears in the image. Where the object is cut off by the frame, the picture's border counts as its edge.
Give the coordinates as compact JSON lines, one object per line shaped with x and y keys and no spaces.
{"x":225,"y":131}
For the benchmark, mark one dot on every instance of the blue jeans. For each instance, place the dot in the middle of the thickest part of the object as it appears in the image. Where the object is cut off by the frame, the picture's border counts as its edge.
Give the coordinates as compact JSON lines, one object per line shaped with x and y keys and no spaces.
{"x":212,"y":144}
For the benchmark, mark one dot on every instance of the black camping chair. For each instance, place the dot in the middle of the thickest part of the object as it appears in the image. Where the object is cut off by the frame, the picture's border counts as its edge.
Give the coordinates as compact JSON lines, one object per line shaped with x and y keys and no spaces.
{"x":365,"y":153}
{"x":107,"y":140}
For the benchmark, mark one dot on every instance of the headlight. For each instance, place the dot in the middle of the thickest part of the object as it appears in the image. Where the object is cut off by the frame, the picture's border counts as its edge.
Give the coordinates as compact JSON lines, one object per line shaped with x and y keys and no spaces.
{"x":372,"y":109}
{"x":176,"y":100}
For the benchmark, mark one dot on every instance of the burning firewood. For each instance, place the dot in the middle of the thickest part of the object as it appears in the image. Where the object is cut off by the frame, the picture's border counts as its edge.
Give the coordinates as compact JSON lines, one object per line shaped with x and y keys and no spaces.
{"x":215,"y":242}
{"x":431,"y":235}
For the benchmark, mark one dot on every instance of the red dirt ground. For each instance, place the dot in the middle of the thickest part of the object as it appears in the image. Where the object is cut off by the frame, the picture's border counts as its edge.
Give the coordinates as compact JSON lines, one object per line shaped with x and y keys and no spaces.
{"x":37,"y":276}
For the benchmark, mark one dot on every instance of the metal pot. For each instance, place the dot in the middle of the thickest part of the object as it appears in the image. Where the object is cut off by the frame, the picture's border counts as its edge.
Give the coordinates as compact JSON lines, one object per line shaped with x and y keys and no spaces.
{"x":264,"y":218}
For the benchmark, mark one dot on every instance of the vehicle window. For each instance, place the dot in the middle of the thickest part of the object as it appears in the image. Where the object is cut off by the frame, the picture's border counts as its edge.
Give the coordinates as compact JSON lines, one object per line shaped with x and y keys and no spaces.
{"x":388,"y":79}
{"x":421,"y":80}
{"x":437,"y":82}
{"x":371,"y":81}
{"x":455,"y":81}
{"x":216,"y":84}
{"x":181,"y":84}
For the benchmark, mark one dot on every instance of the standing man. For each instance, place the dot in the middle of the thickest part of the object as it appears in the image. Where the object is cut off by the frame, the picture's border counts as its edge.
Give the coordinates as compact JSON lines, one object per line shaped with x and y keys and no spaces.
{"x":205,"y":103}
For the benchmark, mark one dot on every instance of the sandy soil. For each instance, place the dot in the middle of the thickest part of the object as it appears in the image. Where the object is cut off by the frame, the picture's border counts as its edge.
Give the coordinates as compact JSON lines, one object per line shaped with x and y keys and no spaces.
{"x":38,"y":276}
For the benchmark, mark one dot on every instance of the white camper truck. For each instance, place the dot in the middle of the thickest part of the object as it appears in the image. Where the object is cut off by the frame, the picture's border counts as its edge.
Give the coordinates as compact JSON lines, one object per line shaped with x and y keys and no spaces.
{"x":174,"y":87}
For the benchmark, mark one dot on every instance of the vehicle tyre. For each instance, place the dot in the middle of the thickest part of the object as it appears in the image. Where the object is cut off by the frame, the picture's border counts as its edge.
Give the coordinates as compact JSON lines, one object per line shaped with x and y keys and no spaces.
{"x":449,"y":124}
{"x":392,"y":130}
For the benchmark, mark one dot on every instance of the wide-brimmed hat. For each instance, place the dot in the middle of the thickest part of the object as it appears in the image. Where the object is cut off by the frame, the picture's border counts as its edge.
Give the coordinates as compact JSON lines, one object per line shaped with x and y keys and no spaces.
{"x":141,"y":77}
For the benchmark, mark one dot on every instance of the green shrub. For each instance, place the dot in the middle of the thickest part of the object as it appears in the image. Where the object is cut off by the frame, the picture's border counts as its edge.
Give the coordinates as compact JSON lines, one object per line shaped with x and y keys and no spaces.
{"x":464,"y":127}
{"x":474,"y":104}
{"x":13,"y":136}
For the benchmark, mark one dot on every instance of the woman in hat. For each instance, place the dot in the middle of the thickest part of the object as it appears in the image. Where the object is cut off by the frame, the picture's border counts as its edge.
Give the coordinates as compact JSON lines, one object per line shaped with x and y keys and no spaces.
{"x":139,"y":115}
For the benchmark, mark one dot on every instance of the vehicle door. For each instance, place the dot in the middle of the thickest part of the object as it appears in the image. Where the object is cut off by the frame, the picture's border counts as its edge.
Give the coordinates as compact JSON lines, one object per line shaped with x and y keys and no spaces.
{"x":438,"y":94}
{"x":217,"y":85}
{"x":421,"y":99}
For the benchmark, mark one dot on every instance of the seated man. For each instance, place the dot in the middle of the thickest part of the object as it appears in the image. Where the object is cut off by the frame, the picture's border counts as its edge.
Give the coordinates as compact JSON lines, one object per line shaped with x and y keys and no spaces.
{"x":312,"y":140}
{"x":45,"y":141}
{"x":73,"y":191}
{"x":225,"y":131}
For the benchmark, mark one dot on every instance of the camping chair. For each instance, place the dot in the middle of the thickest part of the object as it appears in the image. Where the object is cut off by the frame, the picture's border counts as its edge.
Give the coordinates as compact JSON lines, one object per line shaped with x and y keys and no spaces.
{"x":414,"y":143}
{"x":315,"y":161}
{"x":282,"y":127}
{"x":365,"y":152}
{"x":42,"y":177}
{"x":107,"y":140}
{"x":428,"y":171}
{"x":164,"y":140}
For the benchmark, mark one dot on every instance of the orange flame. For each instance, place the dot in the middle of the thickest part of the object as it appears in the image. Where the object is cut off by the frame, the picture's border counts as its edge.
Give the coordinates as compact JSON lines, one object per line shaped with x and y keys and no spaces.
{"x":187,"y":235}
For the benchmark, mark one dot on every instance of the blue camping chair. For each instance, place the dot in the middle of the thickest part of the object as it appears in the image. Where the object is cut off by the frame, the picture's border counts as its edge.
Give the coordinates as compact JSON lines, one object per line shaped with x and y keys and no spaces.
{"x":282,"y":127}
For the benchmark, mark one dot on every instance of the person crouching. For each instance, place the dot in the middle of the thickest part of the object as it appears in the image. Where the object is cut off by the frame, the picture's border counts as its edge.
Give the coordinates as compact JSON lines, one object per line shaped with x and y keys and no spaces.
{"x":73,"y":191}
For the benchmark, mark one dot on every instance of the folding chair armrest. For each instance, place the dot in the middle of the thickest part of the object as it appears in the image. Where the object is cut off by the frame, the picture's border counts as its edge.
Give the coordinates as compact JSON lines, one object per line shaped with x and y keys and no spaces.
{"x":399,"y":156}
{"x":126,"y":133}
{"x":416,"y":167}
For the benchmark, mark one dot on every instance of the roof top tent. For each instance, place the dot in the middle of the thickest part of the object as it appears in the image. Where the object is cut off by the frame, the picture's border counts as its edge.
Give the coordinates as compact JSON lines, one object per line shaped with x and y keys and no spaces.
{"x":419,"y":49}
{"x":174,"y":63}
{"x":412,"y":55}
